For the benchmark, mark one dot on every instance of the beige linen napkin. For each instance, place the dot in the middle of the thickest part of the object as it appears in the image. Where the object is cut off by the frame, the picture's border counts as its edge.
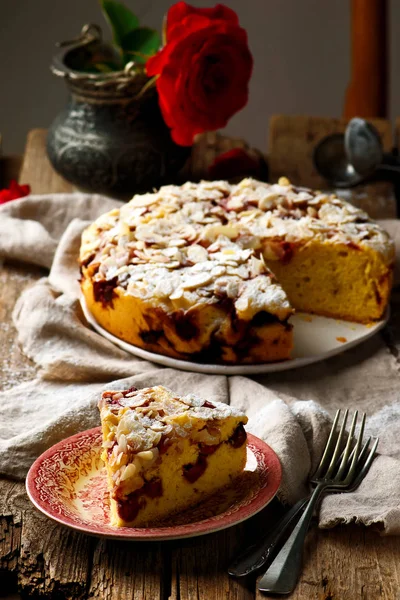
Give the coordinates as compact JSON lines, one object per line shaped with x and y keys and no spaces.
{"x":290,"y":410}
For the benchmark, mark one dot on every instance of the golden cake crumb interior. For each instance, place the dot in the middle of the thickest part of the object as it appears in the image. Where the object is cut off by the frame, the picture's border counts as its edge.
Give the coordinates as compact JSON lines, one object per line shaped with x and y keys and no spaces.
{"x":165,"y":453}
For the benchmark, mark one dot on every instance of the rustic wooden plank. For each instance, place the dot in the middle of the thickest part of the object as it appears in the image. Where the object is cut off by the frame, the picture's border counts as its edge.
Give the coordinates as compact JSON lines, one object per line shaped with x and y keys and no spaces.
{"x":54,"y":561}
{"x":292,"y":140}
{"x":199,"y":568}
{"x":10,"y":536}
{"x":36,"y":168}
{"x":47,"y":559}
{"x":127,"y":570}
{"x":348,"y":563}
{"x":199,"y":565}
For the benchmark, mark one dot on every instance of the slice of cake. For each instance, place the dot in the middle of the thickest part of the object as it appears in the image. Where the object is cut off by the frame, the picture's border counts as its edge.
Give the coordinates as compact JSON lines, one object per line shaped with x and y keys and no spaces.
{"x":165,"y":453}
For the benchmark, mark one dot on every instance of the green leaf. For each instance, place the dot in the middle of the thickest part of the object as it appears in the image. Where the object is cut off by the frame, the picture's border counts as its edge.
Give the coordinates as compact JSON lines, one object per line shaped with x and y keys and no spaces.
{"x":141,"y":43}
{"x":121,"y":19}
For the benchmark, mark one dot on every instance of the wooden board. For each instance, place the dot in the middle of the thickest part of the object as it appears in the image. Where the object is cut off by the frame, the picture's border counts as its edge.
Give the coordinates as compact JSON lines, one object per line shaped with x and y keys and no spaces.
{"x":45,"y":560}
{"x":36,"y":169}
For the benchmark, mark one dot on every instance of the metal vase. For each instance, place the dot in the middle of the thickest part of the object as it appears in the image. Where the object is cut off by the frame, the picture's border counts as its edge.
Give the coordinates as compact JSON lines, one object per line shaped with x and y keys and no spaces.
{"x":110,"y":138}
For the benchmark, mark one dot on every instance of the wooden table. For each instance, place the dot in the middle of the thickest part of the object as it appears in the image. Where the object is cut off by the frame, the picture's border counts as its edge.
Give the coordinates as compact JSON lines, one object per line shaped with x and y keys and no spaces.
{"x":45,"y":560}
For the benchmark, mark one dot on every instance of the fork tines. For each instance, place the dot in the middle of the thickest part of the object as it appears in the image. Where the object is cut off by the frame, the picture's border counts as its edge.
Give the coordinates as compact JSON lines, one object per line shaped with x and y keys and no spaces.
{"x":343,"y":458}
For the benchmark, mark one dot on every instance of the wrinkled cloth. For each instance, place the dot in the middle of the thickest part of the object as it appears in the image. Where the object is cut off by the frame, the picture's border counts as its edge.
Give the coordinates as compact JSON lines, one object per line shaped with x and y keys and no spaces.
{"x":290,"y":410}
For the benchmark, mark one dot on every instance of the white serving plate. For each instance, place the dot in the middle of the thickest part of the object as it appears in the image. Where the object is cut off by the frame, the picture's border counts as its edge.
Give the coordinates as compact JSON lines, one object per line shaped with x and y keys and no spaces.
{"x":315,"y":339}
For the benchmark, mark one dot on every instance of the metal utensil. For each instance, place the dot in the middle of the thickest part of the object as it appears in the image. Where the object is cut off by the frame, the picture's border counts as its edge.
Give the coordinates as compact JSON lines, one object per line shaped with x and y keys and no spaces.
{"x":363,"y":147}
{"x":332,"y":163}
{"x":282,"y":576}
{"x":348,"y":159}
{"x":263,"y":552}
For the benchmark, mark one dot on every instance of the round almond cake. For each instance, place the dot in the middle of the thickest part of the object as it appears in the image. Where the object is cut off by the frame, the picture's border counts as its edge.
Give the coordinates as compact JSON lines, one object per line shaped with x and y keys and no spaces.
{"x":211,"y":272}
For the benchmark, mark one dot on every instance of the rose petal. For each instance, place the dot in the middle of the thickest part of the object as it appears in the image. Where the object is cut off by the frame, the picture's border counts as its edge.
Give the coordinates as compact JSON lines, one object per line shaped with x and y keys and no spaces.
{"x":155,"y":64}
{"x":179,"y":11}
{"x":14,"y":192}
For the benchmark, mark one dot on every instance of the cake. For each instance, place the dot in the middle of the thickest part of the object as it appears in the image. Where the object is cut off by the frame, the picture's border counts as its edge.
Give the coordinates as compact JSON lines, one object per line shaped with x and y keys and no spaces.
{"x":165,"y":453}
{"x":212,"y":271}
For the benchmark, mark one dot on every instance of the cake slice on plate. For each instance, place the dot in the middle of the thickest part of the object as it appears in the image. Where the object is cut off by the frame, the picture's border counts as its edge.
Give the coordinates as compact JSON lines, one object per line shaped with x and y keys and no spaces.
{"x":165,"y":453}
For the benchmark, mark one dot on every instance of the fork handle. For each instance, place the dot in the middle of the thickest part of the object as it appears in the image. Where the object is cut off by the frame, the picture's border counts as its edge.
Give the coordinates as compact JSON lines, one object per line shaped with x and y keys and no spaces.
{"x":259,"y":554}
{"x":284,"y":572}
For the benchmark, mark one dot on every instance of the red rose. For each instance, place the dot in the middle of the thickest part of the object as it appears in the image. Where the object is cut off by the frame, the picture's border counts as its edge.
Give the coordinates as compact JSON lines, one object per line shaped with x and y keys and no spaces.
{"x":203,"y":70}
{"x":13,"y":192}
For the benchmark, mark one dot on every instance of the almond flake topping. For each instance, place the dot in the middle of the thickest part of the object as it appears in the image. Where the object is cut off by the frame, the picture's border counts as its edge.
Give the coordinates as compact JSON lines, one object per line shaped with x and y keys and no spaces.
{"x":182,"y":245}
{"x":140,"y":419}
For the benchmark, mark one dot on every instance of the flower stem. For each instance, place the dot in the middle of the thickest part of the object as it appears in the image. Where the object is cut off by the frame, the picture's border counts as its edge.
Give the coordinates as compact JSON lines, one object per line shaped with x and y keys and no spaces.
{"x":149,"y":84}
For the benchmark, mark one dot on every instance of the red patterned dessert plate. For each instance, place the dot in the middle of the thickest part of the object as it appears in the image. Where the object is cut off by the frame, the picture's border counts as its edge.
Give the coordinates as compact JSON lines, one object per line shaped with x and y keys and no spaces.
{"x":68,"y":484}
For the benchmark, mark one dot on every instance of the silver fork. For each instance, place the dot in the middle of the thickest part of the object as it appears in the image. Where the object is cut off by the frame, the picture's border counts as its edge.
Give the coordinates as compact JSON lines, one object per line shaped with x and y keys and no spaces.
{"x":263,"y":551}
{"x":332,"y":475}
